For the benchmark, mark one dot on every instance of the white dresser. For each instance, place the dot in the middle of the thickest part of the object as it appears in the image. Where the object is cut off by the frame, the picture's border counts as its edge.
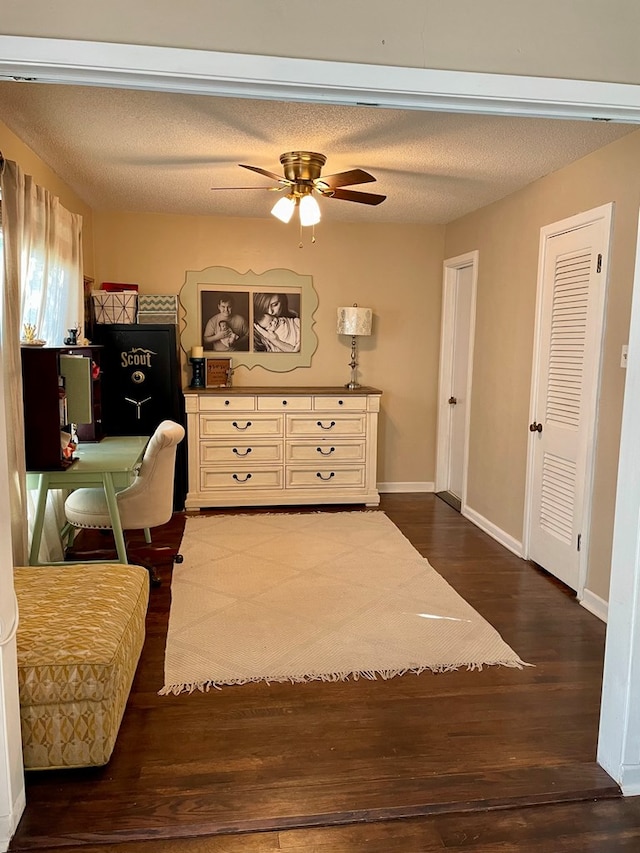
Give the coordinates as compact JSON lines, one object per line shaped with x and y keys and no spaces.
{"x":281,"y":446}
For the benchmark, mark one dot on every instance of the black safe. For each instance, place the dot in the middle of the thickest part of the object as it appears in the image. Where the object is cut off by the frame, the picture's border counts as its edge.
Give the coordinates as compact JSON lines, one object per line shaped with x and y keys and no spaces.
{"x":141,"y":385}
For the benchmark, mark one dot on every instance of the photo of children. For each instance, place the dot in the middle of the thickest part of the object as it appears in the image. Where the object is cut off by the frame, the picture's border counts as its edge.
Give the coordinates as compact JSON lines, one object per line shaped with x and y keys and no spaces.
{"x":227,"y":326}
{"x":276,"y":322}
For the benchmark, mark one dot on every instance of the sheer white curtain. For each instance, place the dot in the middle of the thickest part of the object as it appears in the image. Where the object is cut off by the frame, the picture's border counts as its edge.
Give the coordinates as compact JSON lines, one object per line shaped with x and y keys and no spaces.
{"x":43,"y":285}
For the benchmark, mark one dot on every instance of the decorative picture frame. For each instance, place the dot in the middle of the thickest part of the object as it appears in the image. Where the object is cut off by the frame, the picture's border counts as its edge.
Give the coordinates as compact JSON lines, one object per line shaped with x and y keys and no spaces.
{"x":263,"y":319}
{"x":218,"y":372}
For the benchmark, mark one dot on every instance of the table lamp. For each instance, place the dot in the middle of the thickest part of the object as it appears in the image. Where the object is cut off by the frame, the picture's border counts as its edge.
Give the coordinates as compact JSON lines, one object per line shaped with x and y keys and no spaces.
{"x":354,"y":321}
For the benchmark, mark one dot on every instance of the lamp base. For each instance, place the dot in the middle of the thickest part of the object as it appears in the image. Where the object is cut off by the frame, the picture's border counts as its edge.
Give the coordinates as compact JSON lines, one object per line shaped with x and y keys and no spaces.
{"x":353,"y":364}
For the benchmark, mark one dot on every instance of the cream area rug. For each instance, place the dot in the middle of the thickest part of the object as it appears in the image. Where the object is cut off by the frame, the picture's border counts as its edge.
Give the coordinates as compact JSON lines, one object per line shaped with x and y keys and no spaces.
{"x":314,"y":596}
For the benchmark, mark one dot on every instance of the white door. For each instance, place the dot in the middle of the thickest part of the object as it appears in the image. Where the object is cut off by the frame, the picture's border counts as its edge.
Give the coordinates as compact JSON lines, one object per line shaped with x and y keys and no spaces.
{"x":455,"y":373}
{"x":571,"y":299}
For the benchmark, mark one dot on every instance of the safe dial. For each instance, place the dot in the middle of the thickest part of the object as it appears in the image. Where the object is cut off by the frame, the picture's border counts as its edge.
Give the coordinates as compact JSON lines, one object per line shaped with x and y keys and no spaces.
{"x":138,"y":377}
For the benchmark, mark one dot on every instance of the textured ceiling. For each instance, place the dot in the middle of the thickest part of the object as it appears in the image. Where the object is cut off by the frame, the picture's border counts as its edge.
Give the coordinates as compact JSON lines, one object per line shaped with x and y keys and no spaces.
{"x":160,"y":152}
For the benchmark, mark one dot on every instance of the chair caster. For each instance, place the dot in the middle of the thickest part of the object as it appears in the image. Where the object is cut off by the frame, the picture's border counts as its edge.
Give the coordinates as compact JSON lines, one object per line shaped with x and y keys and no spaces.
{"x":178,"y":558}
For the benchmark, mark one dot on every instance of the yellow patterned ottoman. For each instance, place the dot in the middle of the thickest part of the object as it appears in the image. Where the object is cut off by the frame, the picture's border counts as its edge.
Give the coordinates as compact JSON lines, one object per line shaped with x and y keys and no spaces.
{"x":79,"y":640}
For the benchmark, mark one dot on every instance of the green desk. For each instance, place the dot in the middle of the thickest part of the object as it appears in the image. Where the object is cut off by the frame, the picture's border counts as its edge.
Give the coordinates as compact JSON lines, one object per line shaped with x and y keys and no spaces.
{"x":109,"y":463}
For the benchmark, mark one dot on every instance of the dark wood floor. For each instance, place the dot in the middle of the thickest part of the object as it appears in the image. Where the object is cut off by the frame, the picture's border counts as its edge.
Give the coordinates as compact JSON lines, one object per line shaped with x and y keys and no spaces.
{"x":497,"y":760}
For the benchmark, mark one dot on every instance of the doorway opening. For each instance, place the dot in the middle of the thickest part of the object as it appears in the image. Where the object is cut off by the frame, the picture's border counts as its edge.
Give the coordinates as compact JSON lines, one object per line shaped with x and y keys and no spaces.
{"x":454,"y":387}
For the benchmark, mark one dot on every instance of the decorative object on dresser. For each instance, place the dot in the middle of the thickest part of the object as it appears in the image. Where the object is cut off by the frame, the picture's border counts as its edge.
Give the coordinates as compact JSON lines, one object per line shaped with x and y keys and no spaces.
{"x":197,"y":362}
{"x":354,"y":321}
{"x":282,"y":446}
{"x":264,"y":319}
{"x":314,"y":596}
{"x":219,"y":372}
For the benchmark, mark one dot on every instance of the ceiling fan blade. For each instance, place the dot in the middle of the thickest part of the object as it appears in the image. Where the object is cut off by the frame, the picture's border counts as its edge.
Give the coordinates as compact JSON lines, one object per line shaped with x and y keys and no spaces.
{"x":361,"y":198}
{"x":264,"y":172}
{"x":269,"y":189}
{"x":345,"y":179}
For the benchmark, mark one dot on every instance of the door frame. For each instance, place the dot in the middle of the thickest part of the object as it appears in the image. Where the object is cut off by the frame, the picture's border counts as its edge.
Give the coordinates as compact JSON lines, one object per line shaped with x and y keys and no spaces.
{"x":451,"y":268}
{"x":205,"y":71}
{"x":547,"y":232}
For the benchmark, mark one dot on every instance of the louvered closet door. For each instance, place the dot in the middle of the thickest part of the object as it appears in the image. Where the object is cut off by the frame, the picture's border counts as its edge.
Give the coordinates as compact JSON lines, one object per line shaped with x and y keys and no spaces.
{"x":567,"y":386}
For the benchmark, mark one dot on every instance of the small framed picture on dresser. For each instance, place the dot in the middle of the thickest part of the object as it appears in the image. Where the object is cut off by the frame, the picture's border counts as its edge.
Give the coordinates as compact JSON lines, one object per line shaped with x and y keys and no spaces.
{"x":218,"y":373}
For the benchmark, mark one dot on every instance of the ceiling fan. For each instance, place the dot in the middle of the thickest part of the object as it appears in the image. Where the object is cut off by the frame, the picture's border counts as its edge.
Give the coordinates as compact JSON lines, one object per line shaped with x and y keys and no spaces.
{"x":302,"y":179}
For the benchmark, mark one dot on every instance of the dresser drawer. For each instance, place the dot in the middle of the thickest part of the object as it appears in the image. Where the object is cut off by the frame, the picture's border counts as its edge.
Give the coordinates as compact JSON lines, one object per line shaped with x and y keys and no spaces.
{"x":227,"y":404}
{"x":282,"y":404}
{"x":325,"y":451}
{"x":240,"y":478}
{"x":318,"y":425}
{"x":325,"y":477}
{"x":237,"y":453}
{"x":247,"y":425}
{"x":340,"y":404}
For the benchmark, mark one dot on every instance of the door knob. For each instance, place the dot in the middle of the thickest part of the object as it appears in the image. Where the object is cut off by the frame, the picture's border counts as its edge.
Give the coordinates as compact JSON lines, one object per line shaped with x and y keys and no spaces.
{"x":453,"y":400}
{"x":535,"y":427}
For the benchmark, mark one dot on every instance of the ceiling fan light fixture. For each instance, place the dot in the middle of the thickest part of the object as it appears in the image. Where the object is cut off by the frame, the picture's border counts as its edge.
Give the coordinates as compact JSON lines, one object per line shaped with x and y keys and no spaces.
{"x":309,"y":211}
{"x":283,"y":208}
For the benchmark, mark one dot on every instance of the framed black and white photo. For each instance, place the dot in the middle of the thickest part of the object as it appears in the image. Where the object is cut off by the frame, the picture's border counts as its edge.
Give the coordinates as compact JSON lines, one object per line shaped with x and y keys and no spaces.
{"x":262,"y":319}
{"x":224,"y":316}
{"x":276,"y":321}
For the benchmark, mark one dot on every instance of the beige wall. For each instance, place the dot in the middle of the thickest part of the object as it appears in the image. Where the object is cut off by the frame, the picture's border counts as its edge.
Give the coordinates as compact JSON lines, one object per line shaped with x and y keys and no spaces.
{"x":507,"y":237}
{"x":396,"y":270}
{"x":582,"y":39}
{"x":12,"y":148}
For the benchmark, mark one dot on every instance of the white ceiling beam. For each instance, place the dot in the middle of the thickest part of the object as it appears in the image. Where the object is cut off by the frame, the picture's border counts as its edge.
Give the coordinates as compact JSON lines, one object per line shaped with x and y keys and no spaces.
{"x":282,"y":78}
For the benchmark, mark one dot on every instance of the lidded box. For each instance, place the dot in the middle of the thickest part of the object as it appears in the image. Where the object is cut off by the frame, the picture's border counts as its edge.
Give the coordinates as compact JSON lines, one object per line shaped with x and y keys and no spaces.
{"x":157,"y":308}
{"x":110,"y":307}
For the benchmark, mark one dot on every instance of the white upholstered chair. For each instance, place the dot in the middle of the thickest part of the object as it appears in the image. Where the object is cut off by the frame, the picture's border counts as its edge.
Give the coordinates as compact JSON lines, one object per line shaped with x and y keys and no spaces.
{"x":147,"y":502}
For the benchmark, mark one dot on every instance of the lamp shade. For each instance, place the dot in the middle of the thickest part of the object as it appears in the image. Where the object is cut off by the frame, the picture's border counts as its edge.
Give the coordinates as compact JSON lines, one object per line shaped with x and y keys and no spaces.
{"x":309,"y":211}
{"x":354,"y":320}
{"x":283,"y":208}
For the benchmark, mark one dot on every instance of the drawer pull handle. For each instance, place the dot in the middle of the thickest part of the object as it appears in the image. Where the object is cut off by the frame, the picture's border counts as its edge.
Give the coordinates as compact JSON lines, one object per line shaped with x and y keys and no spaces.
{"x":332,"y":474}
{"x":227,"y":402}
{"x":284,"y":402}
{"x":322,"y":426}
{"x":341,"y":402}
{"x":237,"y":426}
{"x":326,"y":452}
{"x":240,"y":480}
{"x":239,"y":453}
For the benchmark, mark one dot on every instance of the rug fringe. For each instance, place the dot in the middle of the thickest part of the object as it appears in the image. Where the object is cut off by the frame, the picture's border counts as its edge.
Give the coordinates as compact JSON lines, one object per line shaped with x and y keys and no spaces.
{"x":370,"y":675}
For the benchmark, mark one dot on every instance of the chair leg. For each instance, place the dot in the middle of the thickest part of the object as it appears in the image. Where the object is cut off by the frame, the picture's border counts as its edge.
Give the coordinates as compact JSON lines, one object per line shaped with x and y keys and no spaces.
{"x":67,"y":535}
{"x":154,"y":577}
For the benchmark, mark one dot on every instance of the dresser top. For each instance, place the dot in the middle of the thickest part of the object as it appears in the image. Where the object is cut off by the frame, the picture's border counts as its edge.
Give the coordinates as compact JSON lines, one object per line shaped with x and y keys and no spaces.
{"x":284,"y":390}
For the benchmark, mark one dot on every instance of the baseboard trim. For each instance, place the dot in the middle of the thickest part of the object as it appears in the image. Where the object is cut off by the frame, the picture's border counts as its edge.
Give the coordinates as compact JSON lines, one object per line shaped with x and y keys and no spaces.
{"x":9,"y":823}
{"x":508,"y":541}
{"x":451,"y":499}
{"x":596,"y":605}
{"x":391,"y":488}
{"x":630,"y":780}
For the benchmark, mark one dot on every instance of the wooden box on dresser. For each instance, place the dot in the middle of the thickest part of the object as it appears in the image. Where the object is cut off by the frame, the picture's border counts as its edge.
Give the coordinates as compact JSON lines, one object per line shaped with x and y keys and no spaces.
{"x":281,"y":446}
